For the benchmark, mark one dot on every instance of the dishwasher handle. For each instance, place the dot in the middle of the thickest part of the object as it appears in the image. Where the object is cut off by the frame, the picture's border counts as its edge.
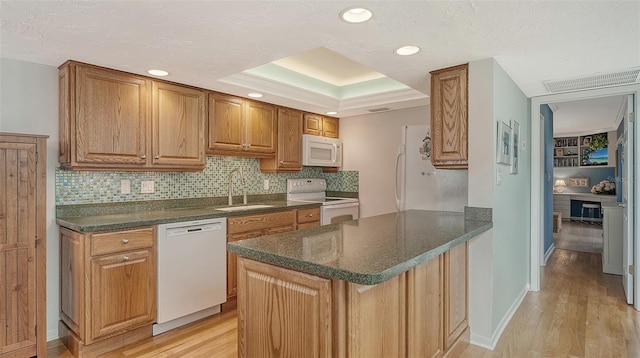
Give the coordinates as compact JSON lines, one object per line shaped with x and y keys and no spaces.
{"x":187,"y":230}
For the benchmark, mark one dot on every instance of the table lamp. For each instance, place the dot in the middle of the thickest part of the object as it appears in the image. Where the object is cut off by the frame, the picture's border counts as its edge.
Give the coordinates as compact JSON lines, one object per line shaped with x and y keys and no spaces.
{"x":558,"y":186}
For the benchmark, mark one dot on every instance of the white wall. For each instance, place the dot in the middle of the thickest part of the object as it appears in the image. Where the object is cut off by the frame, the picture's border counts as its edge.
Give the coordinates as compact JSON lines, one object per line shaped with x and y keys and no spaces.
{"x":29,"y":104}
{"x":370,"y":146}
{"x":504,"y":253}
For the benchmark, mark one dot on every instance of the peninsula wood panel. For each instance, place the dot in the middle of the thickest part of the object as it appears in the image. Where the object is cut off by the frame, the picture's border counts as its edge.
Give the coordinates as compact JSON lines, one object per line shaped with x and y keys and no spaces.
{"x":178,"y":123}
{"x":289,"y":149}
{"x":111,"y":117}
{"x":22,"y":245}
{"x":424,"y":309}
{"x":455,"y":294}
{"x":376,"y":319}
{"x":293,"y":315}
{"x":449,"y":117}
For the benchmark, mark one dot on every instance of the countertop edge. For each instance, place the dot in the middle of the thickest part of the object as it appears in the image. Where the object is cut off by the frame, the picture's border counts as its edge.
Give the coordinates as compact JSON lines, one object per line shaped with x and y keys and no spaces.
{"x":354,"y":277}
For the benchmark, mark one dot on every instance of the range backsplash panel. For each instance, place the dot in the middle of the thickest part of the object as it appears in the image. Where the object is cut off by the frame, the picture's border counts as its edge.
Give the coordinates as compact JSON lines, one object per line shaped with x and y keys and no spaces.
{"x":91,"y":187}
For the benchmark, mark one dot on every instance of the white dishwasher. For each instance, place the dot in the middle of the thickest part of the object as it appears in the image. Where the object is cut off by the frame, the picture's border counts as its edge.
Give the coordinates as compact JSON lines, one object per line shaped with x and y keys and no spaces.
{"x":192,"y":272}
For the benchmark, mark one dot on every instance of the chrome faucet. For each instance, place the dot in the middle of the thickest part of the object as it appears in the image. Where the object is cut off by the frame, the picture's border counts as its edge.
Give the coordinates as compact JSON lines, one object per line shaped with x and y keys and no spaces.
{"x":242,"y":181}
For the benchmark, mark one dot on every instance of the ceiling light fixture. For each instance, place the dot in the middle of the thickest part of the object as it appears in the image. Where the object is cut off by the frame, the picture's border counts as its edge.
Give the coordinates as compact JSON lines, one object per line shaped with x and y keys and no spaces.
{"x":356,"y":15}
{"x":408,"y":50}
{"x":255,"y":95}
{"x":159,"y":73}
{"x":331,"y":113}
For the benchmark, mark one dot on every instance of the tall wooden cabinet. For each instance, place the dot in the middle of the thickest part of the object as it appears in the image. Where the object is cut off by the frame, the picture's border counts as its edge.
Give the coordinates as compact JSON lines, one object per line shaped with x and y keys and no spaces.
{"x":449,"y":117}
{"x":116,"y":120}
{"x":289,"y":143}
{"x":22,"y":245}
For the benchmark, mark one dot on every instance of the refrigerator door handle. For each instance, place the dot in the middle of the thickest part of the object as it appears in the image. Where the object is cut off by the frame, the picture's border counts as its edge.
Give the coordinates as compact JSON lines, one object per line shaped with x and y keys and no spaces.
{"x":395,"y":182}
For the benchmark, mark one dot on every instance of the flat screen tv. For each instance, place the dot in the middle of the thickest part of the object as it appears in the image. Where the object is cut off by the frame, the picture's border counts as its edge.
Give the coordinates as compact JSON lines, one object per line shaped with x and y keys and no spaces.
{"x":595,"y":157}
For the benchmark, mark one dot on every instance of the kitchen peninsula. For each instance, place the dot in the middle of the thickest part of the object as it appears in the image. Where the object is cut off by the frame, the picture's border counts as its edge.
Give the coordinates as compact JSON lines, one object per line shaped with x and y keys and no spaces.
{"x":393,"y":285}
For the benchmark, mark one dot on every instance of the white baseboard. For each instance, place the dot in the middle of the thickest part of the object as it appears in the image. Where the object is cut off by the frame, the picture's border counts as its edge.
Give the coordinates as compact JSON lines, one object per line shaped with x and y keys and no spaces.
{"x":548,"y":254}
{"x":490,"y":343}
{"x":52,"y":334}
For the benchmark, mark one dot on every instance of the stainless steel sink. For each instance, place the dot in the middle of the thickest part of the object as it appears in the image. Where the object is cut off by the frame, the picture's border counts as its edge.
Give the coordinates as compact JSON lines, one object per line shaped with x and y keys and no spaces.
{"x":244,"y":207}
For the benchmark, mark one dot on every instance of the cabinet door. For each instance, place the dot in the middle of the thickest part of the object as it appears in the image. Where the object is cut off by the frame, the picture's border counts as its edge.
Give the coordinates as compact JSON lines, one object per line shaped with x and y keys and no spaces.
{"x":260,"y":127}
{"x":226,"y":118}
{"x":455,"y":294}
{"x":330,"y":127}
{"x":18,"y":249}
{"x":449,"y":117}
{"x":293,"y":311}
{"x":112,"y":113}
{"x":289,"y":154}
{"x":122,"y":292}
{"x":178,"y":126}
{"x":312,"y":124}
{"x":424,"y":309}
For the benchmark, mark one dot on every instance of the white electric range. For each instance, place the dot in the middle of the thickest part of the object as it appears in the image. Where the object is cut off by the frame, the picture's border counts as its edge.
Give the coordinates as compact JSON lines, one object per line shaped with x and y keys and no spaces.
{"x":333,"y":210}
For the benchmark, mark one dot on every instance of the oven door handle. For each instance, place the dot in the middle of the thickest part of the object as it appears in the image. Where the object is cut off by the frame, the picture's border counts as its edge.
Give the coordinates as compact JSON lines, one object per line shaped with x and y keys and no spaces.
{"x":340,"y":206}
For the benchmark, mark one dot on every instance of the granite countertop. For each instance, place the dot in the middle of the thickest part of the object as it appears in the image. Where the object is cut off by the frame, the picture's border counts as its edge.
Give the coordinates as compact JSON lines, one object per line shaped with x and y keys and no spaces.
{"x":100,"y":217}
{"x":367,"y":251}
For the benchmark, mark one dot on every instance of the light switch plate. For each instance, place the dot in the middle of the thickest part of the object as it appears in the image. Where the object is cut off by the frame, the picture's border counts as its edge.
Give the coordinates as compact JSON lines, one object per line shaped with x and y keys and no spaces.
{"x":125,"y":186}
{"x":498,"y":177}
{"x":147,"y":187}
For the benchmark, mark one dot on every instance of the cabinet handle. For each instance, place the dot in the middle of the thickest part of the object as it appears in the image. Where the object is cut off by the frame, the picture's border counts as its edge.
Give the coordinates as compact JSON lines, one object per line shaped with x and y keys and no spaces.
{"x":157,"y":157}
{"x":143,"y":156}
{"x":310,"y":215}
{"x":126,"y":258}
{"x":125,"y":241}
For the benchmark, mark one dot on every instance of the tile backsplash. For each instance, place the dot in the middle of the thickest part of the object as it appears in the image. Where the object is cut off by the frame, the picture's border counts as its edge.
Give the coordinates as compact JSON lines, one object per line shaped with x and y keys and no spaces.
{"x":91,"y":187}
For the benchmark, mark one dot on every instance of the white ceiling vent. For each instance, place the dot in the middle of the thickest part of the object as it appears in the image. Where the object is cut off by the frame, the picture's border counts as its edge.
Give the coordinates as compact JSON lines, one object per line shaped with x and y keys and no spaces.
{"x":605,"y":79}
{"x":381,"y":109}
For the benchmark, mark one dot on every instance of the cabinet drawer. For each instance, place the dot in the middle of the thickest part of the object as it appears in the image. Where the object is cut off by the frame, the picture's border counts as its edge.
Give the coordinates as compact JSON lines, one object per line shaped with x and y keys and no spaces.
{"x":308,"y":225}
{"x":246,"y":223}
{"x":118,"y":241}
{"x":308,"y":215}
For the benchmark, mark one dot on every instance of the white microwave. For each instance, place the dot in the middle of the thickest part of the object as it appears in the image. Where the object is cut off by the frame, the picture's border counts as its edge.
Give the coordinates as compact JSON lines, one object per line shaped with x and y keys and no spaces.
{"x":321,"y":151}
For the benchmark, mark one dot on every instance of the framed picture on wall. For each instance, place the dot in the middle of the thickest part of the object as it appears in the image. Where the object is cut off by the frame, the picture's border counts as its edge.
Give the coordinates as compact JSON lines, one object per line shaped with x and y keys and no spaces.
{"x":515,"y":139}
{"x":503,"y":142}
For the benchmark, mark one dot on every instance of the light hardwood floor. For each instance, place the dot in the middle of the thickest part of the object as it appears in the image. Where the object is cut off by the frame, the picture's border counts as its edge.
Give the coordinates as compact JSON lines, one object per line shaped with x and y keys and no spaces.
{"x":580,"y":312}
{"x":577,"y":236}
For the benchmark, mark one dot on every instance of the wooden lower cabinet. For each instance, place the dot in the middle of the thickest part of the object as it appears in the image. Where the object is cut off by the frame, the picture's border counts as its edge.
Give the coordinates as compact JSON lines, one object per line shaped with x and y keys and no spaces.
{"x":420,"y":313}
{"x":108,"y":287}
{"x":250,"y":226}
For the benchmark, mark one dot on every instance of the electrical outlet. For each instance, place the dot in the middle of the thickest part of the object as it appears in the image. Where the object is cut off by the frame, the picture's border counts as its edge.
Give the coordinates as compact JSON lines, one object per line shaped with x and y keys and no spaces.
{"x":265,"y":184}
{"x":147,"y":187}
{"x":125,"y":186}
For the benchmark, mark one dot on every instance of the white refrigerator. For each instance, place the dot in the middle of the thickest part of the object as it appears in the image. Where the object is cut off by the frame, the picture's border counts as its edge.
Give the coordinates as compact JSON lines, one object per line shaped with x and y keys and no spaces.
{"x":419,"y":185}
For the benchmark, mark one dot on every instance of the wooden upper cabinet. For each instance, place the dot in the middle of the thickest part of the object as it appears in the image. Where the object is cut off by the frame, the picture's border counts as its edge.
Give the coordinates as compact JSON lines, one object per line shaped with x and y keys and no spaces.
{"x":106,"y":121}
{"x":241,"y":127}
{"x":449,"y":117}
{"x":316,"y":124}
{"x":260,"y":128}
{"x":178,"y":125}
{"x":109,"y":114}
{"x":289,"y":148}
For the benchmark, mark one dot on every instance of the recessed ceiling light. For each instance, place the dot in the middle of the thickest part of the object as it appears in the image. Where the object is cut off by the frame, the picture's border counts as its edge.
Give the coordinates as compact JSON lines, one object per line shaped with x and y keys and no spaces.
{"x":356,"y":15}
{"x":255,"y":95}
{"x":332,"y":113}
{"x":160,"y":73}
{"x":408,"y":50}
